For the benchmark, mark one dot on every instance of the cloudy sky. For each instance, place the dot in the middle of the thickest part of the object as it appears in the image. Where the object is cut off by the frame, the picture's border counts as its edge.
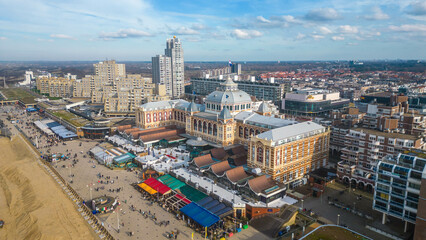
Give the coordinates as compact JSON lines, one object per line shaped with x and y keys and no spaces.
{"x":213,"y":30}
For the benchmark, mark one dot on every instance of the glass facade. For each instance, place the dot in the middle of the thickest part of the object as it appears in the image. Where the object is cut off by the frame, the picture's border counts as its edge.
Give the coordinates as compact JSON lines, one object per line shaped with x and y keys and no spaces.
{"x":313,"y":108}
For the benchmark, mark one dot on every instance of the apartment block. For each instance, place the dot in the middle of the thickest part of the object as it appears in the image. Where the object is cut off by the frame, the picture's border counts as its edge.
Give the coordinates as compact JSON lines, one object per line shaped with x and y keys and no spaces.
{"x":400,"y":190}
{"x":109,"y":70}
{"x":55,"y":87}
{"x":365,"y":147}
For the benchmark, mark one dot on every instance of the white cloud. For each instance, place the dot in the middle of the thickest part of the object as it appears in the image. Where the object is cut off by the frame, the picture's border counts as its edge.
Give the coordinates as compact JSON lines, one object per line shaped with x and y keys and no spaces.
{"x":262,"y":19}
{"x":377,"y":14}
{"x":337,"y":38}
{"x":290,"y":19}
{"x":324,"y":30}
{"x":348,"y":29}
{"x":417,"y":8}
{"x":3,"y":38}
{"x":416,"y":28}
{"x":245,"y":34}
{"x":185,"y":31}
{"x":317,"y":37}
{"x":62,"y":36}
{"x":198,"y":26}
{"x":300,"y":36}
{"x":44,"y":40}
{"x":322,"y":14}
{"x":352,"y":43}
{"x":124,"y":33}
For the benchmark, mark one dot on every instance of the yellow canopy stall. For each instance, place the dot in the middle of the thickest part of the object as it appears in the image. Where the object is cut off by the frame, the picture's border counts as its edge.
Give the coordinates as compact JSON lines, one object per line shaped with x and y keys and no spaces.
{"x":147,"y":188}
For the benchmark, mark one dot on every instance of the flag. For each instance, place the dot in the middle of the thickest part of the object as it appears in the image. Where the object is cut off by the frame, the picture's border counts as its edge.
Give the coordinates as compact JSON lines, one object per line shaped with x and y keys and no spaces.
{"x":230,"y":63}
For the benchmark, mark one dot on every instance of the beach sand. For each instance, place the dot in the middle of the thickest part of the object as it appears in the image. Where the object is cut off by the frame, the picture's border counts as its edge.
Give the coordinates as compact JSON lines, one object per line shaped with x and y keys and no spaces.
{"x":32,"y":204}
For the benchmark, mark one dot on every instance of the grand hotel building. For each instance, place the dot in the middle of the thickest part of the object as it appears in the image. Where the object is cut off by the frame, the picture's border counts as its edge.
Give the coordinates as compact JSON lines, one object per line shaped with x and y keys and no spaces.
{"x":284,"y":149}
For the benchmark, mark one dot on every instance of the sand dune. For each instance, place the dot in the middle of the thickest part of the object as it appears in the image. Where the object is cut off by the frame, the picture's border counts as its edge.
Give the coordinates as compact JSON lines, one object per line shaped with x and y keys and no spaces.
{"x":31,"y":203}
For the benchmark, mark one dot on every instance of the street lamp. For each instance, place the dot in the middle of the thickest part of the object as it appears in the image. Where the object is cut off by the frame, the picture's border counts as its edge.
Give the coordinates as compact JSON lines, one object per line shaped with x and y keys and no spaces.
{"x":338,"y":218}
{"x":302,"y":204}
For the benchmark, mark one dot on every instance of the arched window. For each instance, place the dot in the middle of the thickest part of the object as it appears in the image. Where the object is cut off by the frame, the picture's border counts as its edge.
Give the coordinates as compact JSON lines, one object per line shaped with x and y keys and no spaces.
{"x":214,"y":130}
{"x":204,"y":127}
{"x":260,"y":154}
{"x":251,"y":131}
{"x":210,"y":129}
{"x":240,"y":132}
{"x":257,"y":132}
{"x":195,"y":125}
{"x":175,"y":116}
{"x":178,"y":116}
{"x":246,"y":133}
{"x":200,"y":128}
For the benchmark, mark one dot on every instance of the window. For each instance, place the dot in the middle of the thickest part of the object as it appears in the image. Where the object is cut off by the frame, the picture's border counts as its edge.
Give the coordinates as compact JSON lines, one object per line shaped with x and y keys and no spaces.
{"x":260,"y":154}
{"x":291,"y":176}
{"x":278,"y":161}
{"x":267,"y":157}
{"x":253,"y":151}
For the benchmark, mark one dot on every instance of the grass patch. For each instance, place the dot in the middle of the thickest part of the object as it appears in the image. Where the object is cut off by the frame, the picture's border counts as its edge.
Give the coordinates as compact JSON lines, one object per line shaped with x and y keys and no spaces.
{"x":18,"y":94}
{"x":70,"y":117}
{"x":333,"y":233}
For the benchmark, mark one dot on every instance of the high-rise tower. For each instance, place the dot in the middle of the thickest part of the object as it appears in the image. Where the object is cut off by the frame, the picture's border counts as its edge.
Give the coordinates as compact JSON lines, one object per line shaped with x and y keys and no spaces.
{"x":174,"y":50}
{"x":162,"y":72}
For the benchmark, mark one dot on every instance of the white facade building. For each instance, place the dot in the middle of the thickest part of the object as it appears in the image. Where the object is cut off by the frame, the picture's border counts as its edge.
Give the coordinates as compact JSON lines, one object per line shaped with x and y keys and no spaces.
{"x":174,"y":50}
{"x":162,"y":72}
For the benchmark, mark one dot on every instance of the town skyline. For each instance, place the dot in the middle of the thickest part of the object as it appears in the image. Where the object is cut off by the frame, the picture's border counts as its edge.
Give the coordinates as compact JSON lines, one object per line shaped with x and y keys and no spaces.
{"x":240,"y":30}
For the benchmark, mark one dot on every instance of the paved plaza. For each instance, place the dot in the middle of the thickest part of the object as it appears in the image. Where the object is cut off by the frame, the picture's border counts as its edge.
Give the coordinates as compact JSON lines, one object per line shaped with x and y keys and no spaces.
{"x":84,"y":174}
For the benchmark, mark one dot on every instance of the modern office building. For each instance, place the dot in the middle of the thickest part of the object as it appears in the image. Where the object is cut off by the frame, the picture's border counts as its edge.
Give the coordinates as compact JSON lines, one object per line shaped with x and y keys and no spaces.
{"x":236,"y":68}
{"x":288,"y":153}
{"x":162,"y":72}
{"x":312,"y":102}
{"x":261,"y":90}
{"x":174,"y":50}
{"x":364,"y":148}
{"x":399,"y":191}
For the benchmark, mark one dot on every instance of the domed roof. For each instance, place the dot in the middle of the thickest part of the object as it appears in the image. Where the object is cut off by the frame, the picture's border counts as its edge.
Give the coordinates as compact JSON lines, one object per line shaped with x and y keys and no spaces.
{"x":193,"y":107}
{"x":225,"y":114}
{"x":229,"y":97}
{"x":264,"y":108}
{"x":229,"y":94}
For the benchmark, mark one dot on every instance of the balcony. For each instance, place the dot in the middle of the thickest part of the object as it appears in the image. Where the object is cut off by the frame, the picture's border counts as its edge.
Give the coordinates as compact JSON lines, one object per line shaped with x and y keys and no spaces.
{"x":395,"y":213}
{"x":377,"y":143}
{"x":377,"y":207}
{"x":413,"y":190}
{"x":398,"y":185}
{"x":376,"y":150}
{"x":378,"y":198}
{"x":396,"y":204}
{"x":382,"y":190}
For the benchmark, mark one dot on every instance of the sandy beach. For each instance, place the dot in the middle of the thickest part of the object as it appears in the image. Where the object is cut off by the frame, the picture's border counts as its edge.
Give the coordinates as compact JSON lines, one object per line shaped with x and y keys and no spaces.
{"x":32,"y":205}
